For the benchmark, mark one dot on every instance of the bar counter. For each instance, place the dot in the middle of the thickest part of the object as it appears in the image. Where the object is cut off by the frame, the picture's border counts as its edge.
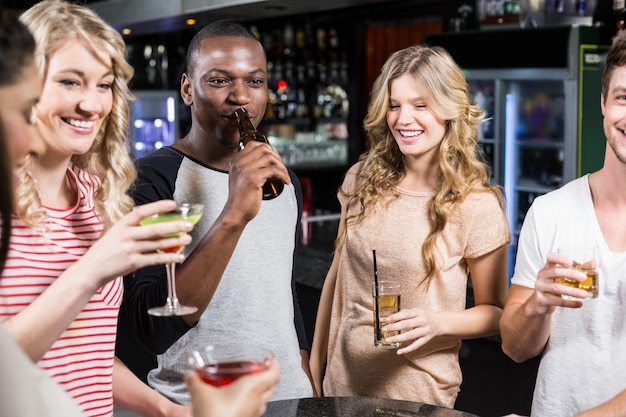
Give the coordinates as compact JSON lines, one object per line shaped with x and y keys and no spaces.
{"x":357,"y":407}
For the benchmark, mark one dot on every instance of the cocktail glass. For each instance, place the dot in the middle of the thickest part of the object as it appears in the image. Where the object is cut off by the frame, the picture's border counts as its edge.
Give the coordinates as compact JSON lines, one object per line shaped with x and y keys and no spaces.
{"x":190,"y":212}
{"x":222,"y":363}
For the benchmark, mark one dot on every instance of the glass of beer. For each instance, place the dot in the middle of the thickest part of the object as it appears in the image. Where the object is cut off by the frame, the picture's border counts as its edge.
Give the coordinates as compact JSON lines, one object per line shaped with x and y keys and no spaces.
{"x":386,"y":301}
{"x":584,"y":258}
{"x":222,"y":363}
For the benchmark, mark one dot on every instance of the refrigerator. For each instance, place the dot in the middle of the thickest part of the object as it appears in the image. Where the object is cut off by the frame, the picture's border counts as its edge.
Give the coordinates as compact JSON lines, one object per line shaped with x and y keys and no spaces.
{"x":154,"y":120}
{"x":541,"y":90}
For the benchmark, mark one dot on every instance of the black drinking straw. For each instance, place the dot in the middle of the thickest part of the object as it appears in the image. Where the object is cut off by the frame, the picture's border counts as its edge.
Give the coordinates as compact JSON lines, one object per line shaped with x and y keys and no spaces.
{"x":376,"y":319}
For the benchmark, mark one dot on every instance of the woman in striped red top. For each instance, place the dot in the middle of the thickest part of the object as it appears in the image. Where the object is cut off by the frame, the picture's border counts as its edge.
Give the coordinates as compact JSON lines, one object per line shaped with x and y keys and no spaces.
{"x":61,"y":287}
{"x":24,"y":389}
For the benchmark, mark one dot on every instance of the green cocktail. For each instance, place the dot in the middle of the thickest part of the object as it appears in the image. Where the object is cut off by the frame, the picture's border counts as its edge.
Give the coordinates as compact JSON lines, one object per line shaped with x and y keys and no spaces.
{"x":191,"y":215}
{"x":191,"y":212}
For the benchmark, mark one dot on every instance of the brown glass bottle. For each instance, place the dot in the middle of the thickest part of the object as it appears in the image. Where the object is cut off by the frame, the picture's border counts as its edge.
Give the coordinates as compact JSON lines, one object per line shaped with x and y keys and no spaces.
{"x":273,"y":187}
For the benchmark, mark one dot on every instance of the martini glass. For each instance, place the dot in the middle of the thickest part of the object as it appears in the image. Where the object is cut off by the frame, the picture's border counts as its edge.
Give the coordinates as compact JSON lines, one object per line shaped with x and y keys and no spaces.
{"x":222,"y":363}
{"x":190,"y":212}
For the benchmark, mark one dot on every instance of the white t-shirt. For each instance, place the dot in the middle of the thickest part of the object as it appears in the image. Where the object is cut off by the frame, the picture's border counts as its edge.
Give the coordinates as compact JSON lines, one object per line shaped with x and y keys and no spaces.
{"x":584,"y":362}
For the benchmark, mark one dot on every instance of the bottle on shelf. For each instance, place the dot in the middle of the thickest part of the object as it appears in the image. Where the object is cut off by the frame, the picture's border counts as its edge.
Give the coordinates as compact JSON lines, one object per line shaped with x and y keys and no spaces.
{"x":619,"y":12}
{"x":333,"y":39}
{"x":289,"y":40}
{"x":255,"y":30}
{"x":273,"y":187}
{"x":559,"y":6}
{"x":300,"y":41}
{"x":322,"y":110}
{"x":321,"y":39}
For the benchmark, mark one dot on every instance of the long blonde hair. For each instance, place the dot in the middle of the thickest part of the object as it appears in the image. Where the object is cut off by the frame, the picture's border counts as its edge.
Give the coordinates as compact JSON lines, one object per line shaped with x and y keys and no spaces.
{"x":54,"y":22}
{"x":462,"y":167}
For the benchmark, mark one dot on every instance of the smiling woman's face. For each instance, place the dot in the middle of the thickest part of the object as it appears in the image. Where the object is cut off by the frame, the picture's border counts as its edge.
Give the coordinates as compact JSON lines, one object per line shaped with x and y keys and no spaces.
{"x":76,"y":99}
{"x":16,"y":114}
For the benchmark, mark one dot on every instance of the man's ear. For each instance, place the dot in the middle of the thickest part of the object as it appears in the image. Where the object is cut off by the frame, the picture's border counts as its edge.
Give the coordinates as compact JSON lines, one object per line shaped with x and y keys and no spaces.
{"x":185,"y":90}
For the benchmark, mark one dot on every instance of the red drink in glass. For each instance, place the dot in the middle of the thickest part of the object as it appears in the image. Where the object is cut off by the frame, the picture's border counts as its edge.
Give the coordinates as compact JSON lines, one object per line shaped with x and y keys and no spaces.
{"x":220,"y":374}
{"x":222,"y":363}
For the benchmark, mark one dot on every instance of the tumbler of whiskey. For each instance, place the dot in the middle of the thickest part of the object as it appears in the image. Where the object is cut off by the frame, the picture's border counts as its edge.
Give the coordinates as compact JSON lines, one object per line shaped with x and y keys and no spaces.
{"x":584,"y":258}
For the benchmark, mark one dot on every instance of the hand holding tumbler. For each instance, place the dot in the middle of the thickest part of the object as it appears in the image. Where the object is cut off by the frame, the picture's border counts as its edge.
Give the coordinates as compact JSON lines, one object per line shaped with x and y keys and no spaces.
{"x":584,"y":258}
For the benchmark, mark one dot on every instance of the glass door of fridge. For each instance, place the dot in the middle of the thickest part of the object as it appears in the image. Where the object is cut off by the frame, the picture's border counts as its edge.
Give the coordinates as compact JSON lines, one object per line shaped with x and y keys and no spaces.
{"x":539,"y":143}
{"x":530,"y":135}
{"x":534,"y":143}
{"x":483,"y":92}
{"x":154,"y":121}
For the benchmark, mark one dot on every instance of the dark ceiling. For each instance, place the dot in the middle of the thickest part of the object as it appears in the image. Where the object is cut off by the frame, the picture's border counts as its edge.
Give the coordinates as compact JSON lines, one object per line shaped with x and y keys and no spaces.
{"x":134,"y":14}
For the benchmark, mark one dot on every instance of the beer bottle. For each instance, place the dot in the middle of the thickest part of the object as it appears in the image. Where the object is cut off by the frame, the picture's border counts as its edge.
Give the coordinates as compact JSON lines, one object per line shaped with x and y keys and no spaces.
{"x":273,"y":187}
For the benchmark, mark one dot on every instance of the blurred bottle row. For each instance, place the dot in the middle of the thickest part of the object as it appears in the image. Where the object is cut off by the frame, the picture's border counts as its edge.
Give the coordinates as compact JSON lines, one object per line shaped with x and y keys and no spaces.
{"x":307,"y":73}
{"x":308,"y":103}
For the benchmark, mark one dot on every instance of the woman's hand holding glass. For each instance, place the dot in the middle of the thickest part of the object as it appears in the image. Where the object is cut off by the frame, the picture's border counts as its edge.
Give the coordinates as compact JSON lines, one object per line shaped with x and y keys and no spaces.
{"x":417,"y":327}
{"x":190,"y":212}
{"x":245,"y":397}
{"x":128,"y":246}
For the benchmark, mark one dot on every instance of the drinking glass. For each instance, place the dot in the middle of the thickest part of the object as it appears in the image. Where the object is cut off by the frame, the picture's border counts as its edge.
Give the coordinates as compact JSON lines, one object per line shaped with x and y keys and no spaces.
{"x":190,"y":212}
{"x":585,"y":259}
{"x":386,"y":301}
{"x":222,"y":363}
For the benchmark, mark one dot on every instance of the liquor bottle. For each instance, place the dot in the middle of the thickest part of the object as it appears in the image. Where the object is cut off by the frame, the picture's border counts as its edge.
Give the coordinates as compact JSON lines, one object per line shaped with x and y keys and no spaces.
{"x":273,"y":187}
{"x":323,"y":106}
{"x":619,"y":13}
{"x":300,"y":41}
{"x":321,"y":41}
{"x":559,"y":6}
{"x":289,"y":40}
{"x":333,"y":39}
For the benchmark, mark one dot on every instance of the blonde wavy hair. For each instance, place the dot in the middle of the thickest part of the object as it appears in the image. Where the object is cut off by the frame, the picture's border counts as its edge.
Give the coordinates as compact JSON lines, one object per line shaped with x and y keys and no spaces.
{"x":462,"y":167}
{"x":53,"y":23}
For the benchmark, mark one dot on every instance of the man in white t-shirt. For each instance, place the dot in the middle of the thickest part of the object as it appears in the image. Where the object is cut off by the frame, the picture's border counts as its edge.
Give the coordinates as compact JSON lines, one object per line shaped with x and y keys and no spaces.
{"x":582,"y":343}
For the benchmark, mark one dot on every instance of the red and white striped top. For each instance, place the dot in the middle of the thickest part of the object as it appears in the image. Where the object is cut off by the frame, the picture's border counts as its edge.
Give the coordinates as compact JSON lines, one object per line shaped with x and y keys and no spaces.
{"x":81,"y":360}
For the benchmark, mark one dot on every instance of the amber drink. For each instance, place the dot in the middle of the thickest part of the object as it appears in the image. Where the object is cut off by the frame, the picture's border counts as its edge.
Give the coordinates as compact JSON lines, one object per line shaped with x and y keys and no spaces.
{"x":584,"y":258}
{"x":385,"y":304}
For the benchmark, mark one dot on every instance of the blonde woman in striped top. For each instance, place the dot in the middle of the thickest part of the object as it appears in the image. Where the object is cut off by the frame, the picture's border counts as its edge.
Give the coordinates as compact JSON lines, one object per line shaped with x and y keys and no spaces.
{"x":61,"y":287}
